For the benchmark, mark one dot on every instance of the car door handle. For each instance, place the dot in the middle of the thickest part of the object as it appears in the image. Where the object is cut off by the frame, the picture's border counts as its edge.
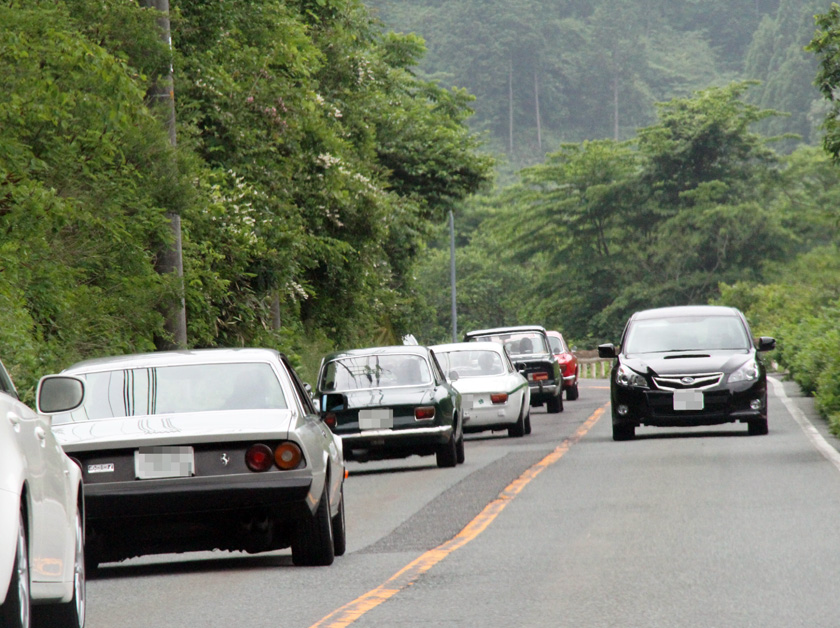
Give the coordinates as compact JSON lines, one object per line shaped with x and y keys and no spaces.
{"x":41,"y":434}
{"x":14,"y":420}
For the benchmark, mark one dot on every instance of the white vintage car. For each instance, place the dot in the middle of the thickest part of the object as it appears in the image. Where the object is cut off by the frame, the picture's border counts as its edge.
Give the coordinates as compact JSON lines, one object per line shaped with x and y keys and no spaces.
{"x":201,"y":450}
{"x":41,"y":516}
{"x":494,"y":395}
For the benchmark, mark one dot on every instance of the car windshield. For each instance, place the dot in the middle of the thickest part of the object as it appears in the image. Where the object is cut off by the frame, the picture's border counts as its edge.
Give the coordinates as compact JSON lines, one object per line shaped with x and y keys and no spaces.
{"x":479,"y":363}
{"x":175,"y":389}
{"x":375,"y":371}
{"x":686,"y":333}
{"x":517,"y":343}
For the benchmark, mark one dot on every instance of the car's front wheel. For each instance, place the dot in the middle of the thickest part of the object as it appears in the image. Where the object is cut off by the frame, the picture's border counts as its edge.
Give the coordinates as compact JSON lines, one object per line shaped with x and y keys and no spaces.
{"x":624,"y":432}
{"x":313,"y":544}
{"x":14,"y":613}
{"x":69,"y":614}
{"x":572,"y":393}
{"x":757,"y":427}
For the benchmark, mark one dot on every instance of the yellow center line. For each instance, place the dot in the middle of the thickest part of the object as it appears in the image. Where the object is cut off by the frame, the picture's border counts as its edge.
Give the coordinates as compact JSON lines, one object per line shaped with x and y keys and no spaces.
{"x":409,"y":574}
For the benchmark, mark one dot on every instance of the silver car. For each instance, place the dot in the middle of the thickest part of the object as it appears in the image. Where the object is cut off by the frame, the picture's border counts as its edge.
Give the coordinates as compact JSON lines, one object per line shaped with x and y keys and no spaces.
{"x":41,"y":516}
{"x":200,"y":450}
{"x":494,"y":395}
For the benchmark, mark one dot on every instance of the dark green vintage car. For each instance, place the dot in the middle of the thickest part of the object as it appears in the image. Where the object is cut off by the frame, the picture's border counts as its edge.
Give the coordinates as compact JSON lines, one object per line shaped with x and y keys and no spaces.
{"x":391,"y":402}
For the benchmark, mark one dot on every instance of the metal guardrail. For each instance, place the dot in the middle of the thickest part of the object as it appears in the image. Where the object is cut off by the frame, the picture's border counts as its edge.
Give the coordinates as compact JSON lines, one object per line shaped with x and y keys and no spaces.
{"x":594,"y":368}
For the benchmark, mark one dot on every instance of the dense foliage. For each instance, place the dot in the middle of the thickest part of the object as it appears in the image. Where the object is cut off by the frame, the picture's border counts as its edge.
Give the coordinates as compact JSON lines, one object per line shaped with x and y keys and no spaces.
{"x":548,"y":72}
{"x":311,"y":163}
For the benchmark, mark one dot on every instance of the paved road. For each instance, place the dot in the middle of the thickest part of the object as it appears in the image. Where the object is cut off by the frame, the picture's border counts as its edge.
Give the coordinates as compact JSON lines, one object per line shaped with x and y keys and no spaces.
{"x":677,"y":528}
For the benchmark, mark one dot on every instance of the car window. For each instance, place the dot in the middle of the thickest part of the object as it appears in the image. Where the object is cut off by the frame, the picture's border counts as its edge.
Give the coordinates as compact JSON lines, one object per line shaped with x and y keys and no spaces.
{"x":374,"y":371}
{"x":686,"y":333}
{"x":303,"y":394}
{"x":519,"y":343}
{"x":472,"y":363}
{"x":556,"y":345}
{"x":175,"y":389}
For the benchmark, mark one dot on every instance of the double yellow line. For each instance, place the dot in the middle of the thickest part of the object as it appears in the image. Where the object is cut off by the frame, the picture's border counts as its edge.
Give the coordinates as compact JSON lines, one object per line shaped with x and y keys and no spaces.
{"x":409,"y":574}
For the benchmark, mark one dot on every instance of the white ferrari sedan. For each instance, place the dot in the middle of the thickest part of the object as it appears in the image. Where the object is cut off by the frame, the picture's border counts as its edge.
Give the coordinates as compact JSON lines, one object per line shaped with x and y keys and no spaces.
{"x":201,"y":450}
{"x":42,"y":568}
{"x":494,"y":395}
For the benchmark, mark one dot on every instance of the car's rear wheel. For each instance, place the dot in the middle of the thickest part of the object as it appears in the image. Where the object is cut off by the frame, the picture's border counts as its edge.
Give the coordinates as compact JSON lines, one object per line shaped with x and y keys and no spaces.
{"x":757,"y":427}
{"x":339,"y":529}
{"x":312,"y":545}
{"x":69,"y":614}
{"x":572,"y":393}
{"x":554,"y":404}
{"x":14,"y":613}
{"x":447,"y":454}
{"x":528,"y":422}
{"x":624,"y":432}
{"x":518,"y":429}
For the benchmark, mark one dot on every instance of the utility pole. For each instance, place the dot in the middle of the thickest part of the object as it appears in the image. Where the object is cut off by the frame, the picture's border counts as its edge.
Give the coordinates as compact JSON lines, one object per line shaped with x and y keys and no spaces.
{"x":170,"y":255}
{"x":452,"y":275}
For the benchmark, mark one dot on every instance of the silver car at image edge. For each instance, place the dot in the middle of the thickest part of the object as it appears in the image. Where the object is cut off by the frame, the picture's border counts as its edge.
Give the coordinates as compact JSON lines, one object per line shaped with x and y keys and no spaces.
{"x":201,"y":450}
{"x":42,"y":568}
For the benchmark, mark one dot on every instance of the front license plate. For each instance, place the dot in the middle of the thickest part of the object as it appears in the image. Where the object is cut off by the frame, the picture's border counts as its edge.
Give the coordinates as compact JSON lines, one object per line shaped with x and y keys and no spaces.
{"x":688,"y":400}
{"x":164,"y":462}
{"x":376,"y":418}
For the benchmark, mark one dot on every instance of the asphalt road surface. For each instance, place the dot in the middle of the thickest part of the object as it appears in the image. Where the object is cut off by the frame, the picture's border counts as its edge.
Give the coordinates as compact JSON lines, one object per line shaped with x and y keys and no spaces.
{"x":679,"y":528}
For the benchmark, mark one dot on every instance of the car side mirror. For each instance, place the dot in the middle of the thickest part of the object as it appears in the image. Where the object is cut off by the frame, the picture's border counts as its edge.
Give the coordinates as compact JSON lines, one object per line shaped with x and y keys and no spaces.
{"x":766,"y":343}
{"x":606,"y":350}
{"x":333,"y":402}
{"x":59,"y":393}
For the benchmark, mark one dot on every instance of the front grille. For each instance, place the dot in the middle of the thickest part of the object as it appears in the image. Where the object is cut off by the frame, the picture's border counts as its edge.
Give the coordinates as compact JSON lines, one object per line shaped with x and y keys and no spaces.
{"x":688,"y":382}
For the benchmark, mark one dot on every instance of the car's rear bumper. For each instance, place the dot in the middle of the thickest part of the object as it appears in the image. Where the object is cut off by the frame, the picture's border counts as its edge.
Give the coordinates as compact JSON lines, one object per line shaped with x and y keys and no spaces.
{"x":540,"y":391}
{"x":272,"y":491}
{"x":394,"y":443}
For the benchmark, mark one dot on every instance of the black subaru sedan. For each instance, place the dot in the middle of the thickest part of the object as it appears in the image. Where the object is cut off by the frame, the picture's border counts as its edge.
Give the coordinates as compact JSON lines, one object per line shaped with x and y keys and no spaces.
{"x":687,"y":366}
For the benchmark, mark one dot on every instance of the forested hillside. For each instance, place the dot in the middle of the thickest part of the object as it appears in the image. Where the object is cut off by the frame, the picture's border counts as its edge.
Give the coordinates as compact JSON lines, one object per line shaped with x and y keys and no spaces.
{"x":546,"y":72}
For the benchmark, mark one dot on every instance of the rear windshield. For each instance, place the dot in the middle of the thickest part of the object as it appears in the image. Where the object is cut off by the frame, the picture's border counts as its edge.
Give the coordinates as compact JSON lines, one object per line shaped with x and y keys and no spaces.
{"x":517,"y":343}
{"x":686,"y":333}
{"x":479,"y":363}
{"x":375,"y":371}
{"x":174,"y":389}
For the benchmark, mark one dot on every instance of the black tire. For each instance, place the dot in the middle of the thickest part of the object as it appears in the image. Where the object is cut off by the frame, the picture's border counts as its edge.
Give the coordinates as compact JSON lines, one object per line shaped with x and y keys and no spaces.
{"x":757,"y":427}
{"x":554,"y":404}
{"x":447,"y":454}
{"x":518,"y":429}
{"x":312,"y":545}
{"x":528,"y":422}
{"x":339,"y":528}
{"x":69,"y":614}
{"x":15,"y":611}
{"x":572,"y":393}
{"x":460,"y":454}
{"x":624,"y":432}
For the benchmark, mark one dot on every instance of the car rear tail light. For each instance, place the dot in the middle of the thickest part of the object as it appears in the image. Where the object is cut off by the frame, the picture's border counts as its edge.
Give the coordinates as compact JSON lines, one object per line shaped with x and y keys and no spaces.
{"x":539,"y":376}
{"x":424,"y":413}
{"x":330,"y":419}
{"x":499,"y":398}
{"x":259,"y":457}
{"x":287,"y":456}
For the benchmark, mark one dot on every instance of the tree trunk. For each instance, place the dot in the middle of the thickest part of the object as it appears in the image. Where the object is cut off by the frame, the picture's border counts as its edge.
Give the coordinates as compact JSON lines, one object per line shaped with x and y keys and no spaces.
{"x":170,"y":256}
{"x":537,"y":103}
{"x":510,"y":107}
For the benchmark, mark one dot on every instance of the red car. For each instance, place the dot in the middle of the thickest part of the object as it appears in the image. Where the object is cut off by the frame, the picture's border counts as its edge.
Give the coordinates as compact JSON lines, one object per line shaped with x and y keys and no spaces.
{"x":568,"y":364}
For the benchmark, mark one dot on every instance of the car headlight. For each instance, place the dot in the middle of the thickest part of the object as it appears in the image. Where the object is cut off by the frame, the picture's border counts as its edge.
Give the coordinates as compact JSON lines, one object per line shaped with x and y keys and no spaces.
{"x":747,"y":372}
{"x":629,"y":378}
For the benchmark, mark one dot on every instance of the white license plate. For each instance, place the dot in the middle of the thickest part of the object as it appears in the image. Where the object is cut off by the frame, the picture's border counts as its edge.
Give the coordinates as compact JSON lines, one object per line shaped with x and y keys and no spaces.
{"x":688,"y":400}
{"x":164,"y":462}
{"x":376,"y":418}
